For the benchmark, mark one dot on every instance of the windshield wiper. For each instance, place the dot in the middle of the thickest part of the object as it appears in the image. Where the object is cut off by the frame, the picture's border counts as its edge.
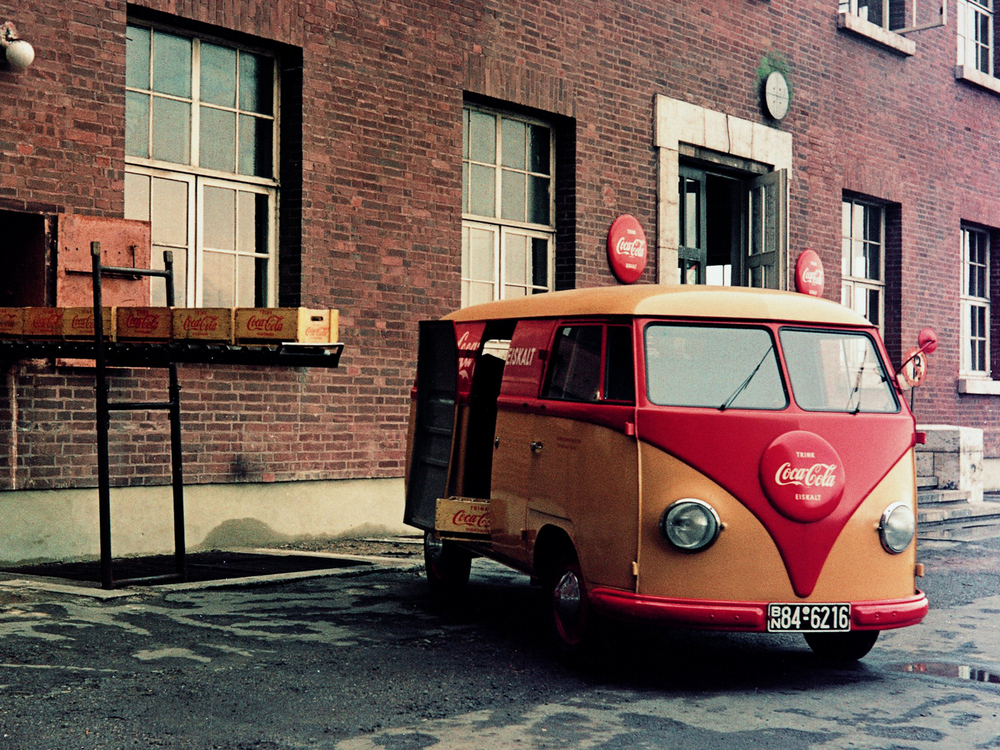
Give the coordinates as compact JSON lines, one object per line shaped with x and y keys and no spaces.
{"x":742,"y":387}
{"x":857,"y":386}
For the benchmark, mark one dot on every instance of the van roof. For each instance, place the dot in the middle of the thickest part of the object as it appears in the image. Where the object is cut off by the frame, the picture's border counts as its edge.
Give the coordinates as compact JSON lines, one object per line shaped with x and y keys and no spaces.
{"x":655,"y":300}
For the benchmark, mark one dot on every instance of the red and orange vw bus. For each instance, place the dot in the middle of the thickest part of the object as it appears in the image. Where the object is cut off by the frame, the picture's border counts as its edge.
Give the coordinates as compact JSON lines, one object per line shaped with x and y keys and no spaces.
{"x":725,"y":459}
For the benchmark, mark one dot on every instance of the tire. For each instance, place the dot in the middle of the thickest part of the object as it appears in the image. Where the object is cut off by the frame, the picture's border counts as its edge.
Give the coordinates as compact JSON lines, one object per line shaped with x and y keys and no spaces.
{"x":570,"y":619}
{"x":842,"y":648}
{"x":447,"y":566}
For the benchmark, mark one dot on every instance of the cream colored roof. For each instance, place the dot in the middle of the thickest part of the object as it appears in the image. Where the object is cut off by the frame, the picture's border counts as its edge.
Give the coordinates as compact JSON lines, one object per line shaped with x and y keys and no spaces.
{"x":655,"y":300}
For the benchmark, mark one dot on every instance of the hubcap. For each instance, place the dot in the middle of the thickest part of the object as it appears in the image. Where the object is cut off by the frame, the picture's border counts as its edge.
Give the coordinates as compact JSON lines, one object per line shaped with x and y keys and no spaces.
{"x":567,"y":598}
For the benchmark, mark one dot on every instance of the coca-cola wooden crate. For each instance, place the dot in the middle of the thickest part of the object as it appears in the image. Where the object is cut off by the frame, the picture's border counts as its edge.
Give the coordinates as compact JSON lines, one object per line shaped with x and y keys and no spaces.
{"x":11,"y":322}
{"x":462,"y":518}
{"x":78,"y":322}
{"x":292,"y":324}
{"x":43,"y":322}
{"x":145,"y":324}
{"x":203,"y":324}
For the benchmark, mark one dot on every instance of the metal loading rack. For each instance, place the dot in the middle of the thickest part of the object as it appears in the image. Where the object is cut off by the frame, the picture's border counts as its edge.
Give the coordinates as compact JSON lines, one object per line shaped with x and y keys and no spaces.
{"x":165,"y":355}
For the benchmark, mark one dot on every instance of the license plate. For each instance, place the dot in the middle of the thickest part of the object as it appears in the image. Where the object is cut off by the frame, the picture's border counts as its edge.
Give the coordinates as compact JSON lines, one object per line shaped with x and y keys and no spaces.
{"x":808,"y":618}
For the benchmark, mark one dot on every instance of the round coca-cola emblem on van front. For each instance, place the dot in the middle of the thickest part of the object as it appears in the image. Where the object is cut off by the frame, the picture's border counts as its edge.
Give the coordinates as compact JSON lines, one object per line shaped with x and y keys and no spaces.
{"x":802,"y":475}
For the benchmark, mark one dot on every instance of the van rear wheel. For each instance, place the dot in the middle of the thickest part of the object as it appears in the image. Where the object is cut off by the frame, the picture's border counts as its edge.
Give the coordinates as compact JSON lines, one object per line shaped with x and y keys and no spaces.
{"x":842,"y":647}
{"x":447,"y":566}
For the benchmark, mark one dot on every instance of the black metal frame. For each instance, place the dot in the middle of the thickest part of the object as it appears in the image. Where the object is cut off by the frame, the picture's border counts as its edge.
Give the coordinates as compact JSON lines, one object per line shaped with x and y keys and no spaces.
{"x":161,"y":355}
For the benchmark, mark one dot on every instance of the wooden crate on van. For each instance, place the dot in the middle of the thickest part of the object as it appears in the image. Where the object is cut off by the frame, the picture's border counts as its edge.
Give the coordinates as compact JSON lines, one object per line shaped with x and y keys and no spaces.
{"x":203,"y":324}
{"x":462,"y":518}
{"x":78,"y":322}
{"x":145,"y":324}
{"x":284,"y":324}
{"x":11,"y":322}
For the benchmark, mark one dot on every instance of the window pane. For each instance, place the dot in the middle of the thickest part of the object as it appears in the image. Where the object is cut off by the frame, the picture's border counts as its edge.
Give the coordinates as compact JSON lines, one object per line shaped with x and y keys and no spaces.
{"x":158,"y":296}
{"x":218,"y":288}
{"x":170,"y":212}
{"x":255,"y":146}
{"x":619,"y":371}
{"x":465,"y":188}
{"x":171,"y":130}
{"x":171,"y":64}
{"x":539,"y":148}
{"x":136,"y":124}
{"x":540,"y":262}
{"x":482,"y":190}
{"x":482,"y":137}
{"x":256,"y":83}
{"x":575,"y":372}
{"x":137,"y":57}
{"x":512,"y":195}
{"x":252,"y":220}
{"x":250,"y":282}
{"x":218,"y":75}
{"x":539,"y":200}
{"x":480,"y":292}
{"x":515,"y":259}
{"x":712,"y":367}
{"x":218,"y":139}
{"x":136,"y":197}
{"x":481,"y":255}
{"x":219,"y":218}
{"x":513,"y":136}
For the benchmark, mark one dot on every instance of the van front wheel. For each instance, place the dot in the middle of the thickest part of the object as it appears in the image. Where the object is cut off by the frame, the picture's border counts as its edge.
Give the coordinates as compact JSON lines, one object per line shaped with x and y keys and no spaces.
{"x":568,"y":608}
{"x":842,"y":647}
{"x":447,"y":566}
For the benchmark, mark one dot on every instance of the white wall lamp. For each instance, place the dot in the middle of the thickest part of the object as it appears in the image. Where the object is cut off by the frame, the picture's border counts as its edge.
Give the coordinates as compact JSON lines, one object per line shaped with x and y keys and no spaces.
{"x":20,"y":54}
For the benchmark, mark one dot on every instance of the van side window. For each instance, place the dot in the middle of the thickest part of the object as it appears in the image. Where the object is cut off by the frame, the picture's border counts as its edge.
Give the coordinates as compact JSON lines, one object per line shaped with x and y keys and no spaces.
{"x":575,"y":371}
{"x":619,"y":369}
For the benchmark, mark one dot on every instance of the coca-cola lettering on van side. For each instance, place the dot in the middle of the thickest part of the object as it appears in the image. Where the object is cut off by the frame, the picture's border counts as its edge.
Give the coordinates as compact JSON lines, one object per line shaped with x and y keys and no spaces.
{"x":802,"y":476}
{"x":627,"y":249}
{"x":809,"y":276}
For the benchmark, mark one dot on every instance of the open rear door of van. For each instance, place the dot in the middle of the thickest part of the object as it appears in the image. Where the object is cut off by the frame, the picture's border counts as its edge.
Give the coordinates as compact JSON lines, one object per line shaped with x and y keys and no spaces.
{"x":434,"y":431}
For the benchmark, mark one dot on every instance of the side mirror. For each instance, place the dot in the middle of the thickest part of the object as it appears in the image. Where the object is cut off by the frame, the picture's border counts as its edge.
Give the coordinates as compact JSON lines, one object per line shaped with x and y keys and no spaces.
{"x":927,"y":340}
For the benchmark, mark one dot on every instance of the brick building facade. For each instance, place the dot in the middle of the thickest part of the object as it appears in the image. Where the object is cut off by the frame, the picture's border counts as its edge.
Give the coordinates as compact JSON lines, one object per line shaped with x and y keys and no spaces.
{"x":348,"y":142}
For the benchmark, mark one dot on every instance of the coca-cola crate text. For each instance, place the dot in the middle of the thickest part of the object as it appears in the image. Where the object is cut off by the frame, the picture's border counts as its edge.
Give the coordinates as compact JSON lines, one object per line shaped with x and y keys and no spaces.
{"x":145,"y":324}
{"x":203,"y":324}
{"x":11,"y":322}
{"x":78,"y":322}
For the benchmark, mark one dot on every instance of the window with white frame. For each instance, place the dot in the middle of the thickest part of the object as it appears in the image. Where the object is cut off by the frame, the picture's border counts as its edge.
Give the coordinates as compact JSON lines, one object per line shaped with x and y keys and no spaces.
{"x":888,"y":14}
{"x":863,"y":259}
{"x":201,"y":152}
{"x":508,"y":215}
{"x":975,"y":35}
{"x":975,"y":301}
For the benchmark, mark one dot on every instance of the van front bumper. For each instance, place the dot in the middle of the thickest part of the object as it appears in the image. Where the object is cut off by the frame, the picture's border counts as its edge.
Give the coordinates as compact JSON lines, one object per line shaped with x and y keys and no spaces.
{"x":745,"y":616}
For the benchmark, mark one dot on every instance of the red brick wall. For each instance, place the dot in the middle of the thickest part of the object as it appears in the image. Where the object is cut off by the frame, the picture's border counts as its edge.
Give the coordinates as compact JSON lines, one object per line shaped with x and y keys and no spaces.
{"x":375,"y":228}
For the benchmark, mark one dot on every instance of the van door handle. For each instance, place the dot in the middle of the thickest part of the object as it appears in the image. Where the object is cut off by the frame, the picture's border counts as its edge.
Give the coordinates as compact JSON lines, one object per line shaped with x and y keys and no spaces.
{"x":536,"y":446}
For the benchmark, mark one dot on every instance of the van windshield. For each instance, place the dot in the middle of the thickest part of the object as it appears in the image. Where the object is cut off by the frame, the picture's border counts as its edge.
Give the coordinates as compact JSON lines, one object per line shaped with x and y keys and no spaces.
{"x":721,"y":367}
{"x":837,"y":371}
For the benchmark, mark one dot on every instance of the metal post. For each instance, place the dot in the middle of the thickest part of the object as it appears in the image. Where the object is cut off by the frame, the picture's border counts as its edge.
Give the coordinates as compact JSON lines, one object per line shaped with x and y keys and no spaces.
{"x":103,"y":424}
{"x":176,"y":448}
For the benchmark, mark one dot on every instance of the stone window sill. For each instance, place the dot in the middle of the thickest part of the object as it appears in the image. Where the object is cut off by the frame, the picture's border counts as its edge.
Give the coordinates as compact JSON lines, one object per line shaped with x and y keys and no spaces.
{"x":979,"y":386}
{"x":971,"y":75}
{"x":883,"y":37}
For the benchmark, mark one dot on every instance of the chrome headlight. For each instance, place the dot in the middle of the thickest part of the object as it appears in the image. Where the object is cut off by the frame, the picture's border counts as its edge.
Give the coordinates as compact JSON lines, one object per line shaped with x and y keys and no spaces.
{"x":897,"y":527}
{"x":690,"y":525}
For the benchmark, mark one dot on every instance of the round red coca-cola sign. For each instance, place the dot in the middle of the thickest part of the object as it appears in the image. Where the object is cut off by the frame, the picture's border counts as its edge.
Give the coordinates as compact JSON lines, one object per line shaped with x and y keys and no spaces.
{"x":802,"y":475}
{"x":627,"y":249}
{"x":809,"y":274}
